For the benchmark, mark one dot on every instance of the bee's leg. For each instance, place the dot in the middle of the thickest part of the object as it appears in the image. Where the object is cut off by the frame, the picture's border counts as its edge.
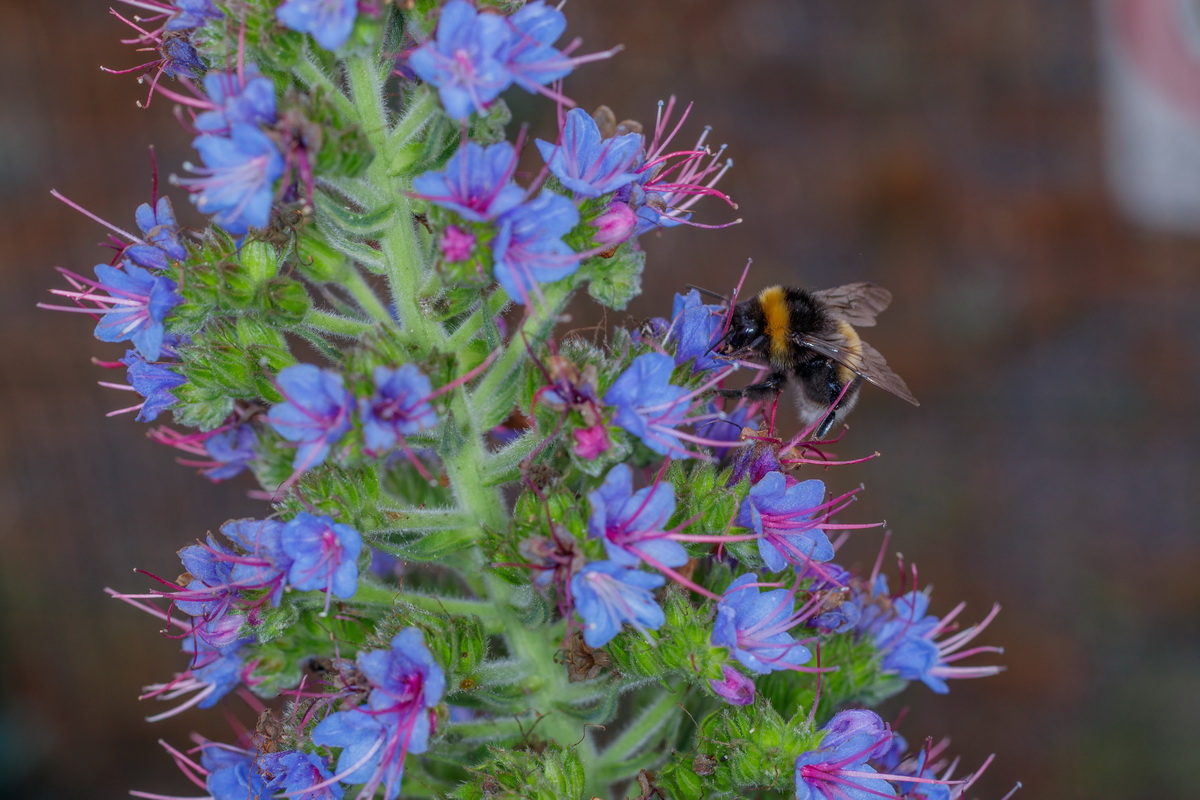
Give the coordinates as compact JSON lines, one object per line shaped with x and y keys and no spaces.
{"x":771,"y":385}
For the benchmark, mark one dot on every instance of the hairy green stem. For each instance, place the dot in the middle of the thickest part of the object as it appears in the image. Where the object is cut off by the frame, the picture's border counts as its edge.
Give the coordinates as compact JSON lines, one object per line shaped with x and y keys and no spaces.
{"x":365,"y":296}
{"x":634,"y":737}
{"x":539,"y":322}
{"x":492,"y":305}
{"x":314,"y":76}
{"x":403,"y":257}
{"x":336,"y":325}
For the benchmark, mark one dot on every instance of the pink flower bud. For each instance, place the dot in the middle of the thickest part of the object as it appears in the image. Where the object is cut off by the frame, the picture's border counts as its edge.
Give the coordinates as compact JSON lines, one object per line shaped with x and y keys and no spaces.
{"x":616,"y":224}
{"x":591,"y":442}
{"x":457,"y":244}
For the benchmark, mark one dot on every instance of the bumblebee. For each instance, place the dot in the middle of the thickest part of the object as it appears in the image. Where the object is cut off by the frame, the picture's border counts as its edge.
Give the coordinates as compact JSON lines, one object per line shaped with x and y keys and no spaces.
{"x":809,"y":337}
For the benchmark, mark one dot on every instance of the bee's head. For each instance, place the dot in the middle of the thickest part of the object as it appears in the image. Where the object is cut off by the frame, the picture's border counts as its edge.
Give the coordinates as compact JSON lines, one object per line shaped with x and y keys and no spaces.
{"x":747,"y":329}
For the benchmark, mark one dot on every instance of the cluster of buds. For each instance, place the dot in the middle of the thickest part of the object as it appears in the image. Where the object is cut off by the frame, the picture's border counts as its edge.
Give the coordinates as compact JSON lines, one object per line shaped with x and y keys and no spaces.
{"x":479,"y":545}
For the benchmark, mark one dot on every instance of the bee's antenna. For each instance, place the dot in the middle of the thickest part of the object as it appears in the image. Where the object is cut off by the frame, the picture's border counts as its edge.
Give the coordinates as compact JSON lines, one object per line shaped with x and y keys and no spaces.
{"x":708,"y":292}
{"x":726,"y":337}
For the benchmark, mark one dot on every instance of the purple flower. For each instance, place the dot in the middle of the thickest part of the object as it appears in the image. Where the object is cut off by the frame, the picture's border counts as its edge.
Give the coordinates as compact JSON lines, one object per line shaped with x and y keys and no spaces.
{"x":631,"y":524}
{"x":406,"y":682}
{"x":838,"y":769}
{"x":315,"y":414}
{"x":476,"y":183}
{"x":295,"y":773}
{"x":755,"y":462}
{"x":323,"y":553}
{"x":398,"y":407}
{"x":607,"y":595}
{"x":231,"y":450}
{"x":528,"y":248}
{"x":725,"y":428}
{"x":153,"y":382}
{"x":192,"y":14}
{"x":242,"y":96}
{"x":787,"y":519}
{"x":464,"y":59}
{"x":232,"y":774}
{"x":648,"y":405}
{"x":138,"y":302}
{"x":734,"y":687}
{"x":237,"y":182}
{"x":695,"y":328}
{"x":179,"y":57}
{"x":329,"y":21}
{"x":162,"y":236}
{"x":754,"y":626}
{"x":585,"y":163}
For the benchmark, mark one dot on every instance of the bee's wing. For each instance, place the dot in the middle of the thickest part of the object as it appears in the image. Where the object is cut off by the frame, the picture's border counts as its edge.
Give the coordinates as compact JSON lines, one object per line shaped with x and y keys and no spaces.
{"x":857,"y":303}
{"x":868,"y":363}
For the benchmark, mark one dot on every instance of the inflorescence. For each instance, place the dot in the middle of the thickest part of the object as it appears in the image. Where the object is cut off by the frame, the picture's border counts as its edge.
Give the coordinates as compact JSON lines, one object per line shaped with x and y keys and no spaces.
{"x":490,"y":564}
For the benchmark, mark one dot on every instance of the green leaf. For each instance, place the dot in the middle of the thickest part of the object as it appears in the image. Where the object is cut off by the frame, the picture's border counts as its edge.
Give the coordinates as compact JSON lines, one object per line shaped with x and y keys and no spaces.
{"x":613,"y":282}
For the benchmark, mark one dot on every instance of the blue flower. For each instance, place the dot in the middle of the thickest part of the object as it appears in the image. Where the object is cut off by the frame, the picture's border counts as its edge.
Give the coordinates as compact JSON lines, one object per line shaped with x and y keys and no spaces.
{"x":906,"y":637}
{"x":316,"y":413}
{"x":631,"y":524}
{"x":295,"y":772}
{"x":329,"y":21}
{"x":754,"y":626}
{"x":531,"y":59}
{"x":528,"y":248}
{"x":406,"y":682}
{"x":153,"y":382}
{"x":476,"y":183}
{"x":237,"y":183}
{"x":266,"y":562}
{"x":607,"y":595}
{"x":924,"y":790}
{"x":694,"y":329}
{"x":398,"y":407}
{"x":787,"y":519}
{"x":139,"y":302}
{"x":838,"y":767}
{"x":162,"y":236}
{"x":585,"y":163}
{"x":192,"y":14}
{"x":648,"y":405}
{"x":232,"y":450}
{"x":323,"y":553}
{"x":217,"y":670}
{"x":232,"y":774}
{"x":209,"y":593}
{"x":243,"y":96}
{"x":464,"y":59}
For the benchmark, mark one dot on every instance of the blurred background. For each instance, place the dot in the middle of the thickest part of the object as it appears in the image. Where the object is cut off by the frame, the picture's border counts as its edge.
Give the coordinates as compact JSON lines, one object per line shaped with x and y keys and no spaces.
{"x":1024,"y":176}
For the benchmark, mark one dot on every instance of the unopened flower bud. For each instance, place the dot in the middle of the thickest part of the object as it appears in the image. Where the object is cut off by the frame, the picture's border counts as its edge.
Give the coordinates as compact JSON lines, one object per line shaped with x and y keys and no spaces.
{"x":616,"y":224}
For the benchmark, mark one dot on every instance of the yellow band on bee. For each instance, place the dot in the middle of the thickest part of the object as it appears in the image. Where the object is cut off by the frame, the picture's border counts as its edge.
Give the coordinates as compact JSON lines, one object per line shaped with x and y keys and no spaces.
{"x":775,"y":308}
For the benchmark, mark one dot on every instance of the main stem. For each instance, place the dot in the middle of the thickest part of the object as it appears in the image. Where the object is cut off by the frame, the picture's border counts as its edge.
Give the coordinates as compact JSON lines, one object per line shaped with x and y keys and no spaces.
{"x":406,"y":269}
{"x":401,"y":249}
